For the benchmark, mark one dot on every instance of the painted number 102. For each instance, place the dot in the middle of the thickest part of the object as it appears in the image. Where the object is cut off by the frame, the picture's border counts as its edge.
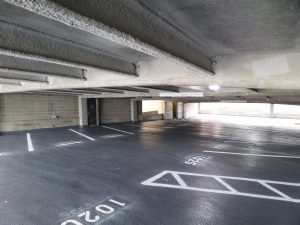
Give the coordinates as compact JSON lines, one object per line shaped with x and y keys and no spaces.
{"x":101,"y":210}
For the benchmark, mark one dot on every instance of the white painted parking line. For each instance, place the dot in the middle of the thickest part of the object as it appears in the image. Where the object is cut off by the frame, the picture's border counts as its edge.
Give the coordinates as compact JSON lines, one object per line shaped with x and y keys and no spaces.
{"x":143,"y":127}
{"x":126,"y":132}
{"x":251,"y":154}
{"x":179,"y":179}
{"x":222,"y":179}
{"x":274,"y":190}
{"x":29,"y":143}
{"x":83,"y":135}
{"x":169,"y":127}
{"x":112,"y":136}
{"x":226,"y":184}
{"x":133,"y":125}
{"x":67,"y":143}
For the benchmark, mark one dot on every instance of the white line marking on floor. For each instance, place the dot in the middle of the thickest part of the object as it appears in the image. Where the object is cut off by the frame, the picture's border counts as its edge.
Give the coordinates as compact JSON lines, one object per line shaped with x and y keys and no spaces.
{"x":29,"y":143}
{"x":67,"y":143}
{"x":226,"y":185}
{"x":126,"y":132}
{"x":251,"y":154}
{"x":133,"y":125}
{"x":83,"y":135}
{"x":144,"y":127}
{"x":179,"y":179}
{"x":231,"y":190}
{"x":112,"y":136}
{"x":274,"y":190}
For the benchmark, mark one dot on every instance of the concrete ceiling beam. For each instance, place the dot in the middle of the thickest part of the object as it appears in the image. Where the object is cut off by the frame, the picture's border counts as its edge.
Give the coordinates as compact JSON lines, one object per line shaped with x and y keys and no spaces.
{"x":106,"y":90}
{"x":10,"y":82}
{"x":69,"y":18}
{"x":164,"y":88}
{"x":80,"y":91}
{"x":45,"y":75}
{"x":68,"y":92}
{"x":35,"y":39}
{"x":52,"y":93}
{"x":21,"y":79}
{"x":131,"y":89}
{"x":39,"y":58}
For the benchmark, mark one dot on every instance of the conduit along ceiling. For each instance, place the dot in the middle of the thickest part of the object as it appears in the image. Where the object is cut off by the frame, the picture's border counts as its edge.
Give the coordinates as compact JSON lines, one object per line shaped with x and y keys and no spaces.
{"x":249,"y":49}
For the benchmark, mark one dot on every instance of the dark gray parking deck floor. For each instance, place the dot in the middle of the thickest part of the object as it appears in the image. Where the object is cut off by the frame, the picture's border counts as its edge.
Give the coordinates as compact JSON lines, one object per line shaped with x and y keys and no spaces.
{"x":164,"y":173}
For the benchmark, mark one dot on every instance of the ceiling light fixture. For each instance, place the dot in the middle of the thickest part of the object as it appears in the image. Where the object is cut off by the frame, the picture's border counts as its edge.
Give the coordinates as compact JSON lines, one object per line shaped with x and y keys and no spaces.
{"x":214,"y":87}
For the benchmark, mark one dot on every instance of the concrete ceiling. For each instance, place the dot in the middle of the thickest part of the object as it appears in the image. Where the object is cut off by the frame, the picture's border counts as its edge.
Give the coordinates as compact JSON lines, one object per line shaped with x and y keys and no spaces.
{"x":157,"y":46}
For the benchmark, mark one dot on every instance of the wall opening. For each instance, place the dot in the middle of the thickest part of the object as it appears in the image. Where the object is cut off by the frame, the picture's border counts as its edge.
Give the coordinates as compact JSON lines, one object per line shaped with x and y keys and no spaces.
{"x":92,"y":111}
{"x":236,"y":109}
{"x":152,"y":110}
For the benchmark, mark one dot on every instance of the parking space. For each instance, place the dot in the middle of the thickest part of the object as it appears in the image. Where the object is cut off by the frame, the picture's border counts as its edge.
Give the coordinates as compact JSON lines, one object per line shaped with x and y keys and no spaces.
{"x":161,"y":172}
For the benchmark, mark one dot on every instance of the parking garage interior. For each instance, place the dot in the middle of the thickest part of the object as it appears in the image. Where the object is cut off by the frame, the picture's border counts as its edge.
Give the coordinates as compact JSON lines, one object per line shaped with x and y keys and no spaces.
{"x":149,"y":112}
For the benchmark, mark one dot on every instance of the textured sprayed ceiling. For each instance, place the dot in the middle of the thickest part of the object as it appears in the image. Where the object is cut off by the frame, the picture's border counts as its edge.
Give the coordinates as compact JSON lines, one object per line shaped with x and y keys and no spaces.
{"x":210,"y":27}
{"x":191,"y":32}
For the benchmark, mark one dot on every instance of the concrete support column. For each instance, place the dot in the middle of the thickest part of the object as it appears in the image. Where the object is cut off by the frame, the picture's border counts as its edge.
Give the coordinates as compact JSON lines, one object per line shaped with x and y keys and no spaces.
{"x":180,"y":110}
{"x":168,"y":110}
{"x":133,"y":110}
{"x":83,"y":117}
{"x":139,"y":110}
{"x":97,"y":111}
{"x":272,"y":110}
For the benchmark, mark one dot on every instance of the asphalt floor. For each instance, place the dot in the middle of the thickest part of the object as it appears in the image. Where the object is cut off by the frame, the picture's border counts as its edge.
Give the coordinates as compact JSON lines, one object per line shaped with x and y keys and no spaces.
{"x":152,"y":173}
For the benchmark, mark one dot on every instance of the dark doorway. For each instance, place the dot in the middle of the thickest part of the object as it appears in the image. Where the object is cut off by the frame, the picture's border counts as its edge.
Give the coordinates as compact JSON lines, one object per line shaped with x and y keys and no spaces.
{"x":175,"y":110}
{"x":91,"y":109}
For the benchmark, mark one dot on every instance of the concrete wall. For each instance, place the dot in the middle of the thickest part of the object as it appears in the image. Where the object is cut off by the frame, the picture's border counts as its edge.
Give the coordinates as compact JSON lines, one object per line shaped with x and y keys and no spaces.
{"x":115,"y":110}
{"x":28,"y":111}
{"x":191,"y":109}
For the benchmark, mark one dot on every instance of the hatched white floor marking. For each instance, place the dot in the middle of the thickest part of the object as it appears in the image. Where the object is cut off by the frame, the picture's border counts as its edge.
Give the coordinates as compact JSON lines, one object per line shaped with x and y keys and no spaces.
{"x":126,"y":132}
{"x":251,"y":154}
{"x":83,"y":135}
{"x":278,"y":195}
{"x":29,"y":143}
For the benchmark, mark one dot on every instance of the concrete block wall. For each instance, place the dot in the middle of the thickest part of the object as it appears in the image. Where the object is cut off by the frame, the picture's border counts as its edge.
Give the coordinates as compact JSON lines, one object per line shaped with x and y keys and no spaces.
{"x":33,"y":111}
{"x":115,"y":110}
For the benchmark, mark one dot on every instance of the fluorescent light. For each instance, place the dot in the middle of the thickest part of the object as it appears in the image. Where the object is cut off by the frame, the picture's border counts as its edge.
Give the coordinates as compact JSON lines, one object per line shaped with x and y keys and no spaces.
{"x":214,"y":87}
{"x":234,"y":101}
{"x":184,"y":94}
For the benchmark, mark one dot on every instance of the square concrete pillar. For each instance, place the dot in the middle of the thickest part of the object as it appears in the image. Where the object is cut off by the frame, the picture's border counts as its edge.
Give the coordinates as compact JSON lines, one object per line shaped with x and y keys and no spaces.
{"x":83,"y":117}
{"x":168,"y":110}
{"x":272,"y":111}
{"x":134,"y":110}
{"x":179,"y":110}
